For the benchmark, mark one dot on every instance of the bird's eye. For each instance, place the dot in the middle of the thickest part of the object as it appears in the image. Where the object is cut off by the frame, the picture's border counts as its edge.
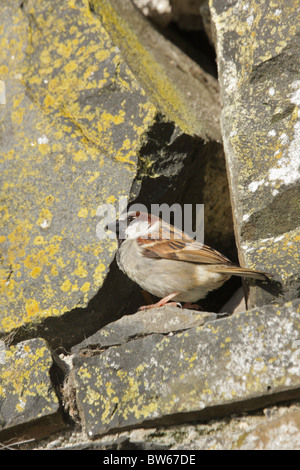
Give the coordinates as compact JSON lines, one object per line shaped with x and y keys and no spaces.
{"x":130,"y":218}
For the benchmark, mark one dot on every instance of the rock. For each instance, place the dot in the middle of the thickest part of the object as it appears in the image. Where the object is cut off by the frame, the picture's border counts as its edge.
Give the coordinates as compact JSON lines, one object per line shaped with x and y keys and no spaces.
{"x":274,"y":427}
{"x":186,"y":14}
{"x":163,"y":320}
{"x":258,"y":60}
{"x":234,"y":364}
{"x":159,"y":11}
{"x":253,"y":431}
{"x":236,"y":304}
{"x":281,"y":433}
{"x":180,"y":88}
{"x":84,"y":124}
{"x":29,"y":407}
{"x":95,"y":104}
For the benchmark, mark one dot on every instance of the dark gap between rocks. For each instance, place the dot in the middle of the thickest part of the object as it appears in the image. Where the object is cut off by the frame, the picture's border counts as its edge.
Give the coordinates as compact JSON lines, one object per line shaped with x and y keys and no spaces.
{"x":195,"y":44}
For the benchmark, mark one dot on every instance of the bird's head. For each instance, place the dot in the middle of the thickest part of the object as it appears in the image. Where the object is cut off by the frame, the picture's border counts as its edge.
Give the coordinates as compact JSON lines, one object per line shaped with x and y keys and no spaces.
{"x":135,"y":224}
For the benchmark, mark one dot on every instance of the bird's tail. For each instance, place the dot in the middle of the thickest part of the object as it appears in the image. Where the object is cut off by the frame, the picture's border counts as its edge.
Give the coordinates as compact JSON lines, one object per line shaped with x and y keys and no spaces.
{"x":243,"y":272}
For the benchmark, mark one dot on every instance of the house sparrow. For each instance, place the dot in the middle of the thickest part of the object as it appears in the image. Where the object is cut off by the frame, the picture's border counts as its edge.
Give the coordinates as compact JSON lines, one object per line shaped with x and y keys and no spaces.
{"x":168,"y":263}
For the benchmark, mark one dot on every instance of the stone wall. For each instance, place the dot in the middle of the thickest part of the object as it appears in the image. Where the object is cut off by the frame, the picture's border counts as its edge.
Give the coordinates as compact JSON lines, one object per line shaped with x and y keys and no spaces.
{"x":97,"y":104}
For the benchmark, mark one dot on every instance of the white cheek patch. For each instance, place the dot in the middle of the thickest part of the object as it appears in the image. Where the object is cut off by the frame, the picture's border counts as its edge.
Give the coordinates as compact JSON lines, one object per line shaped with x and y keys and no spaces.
{"x":139,"y":229}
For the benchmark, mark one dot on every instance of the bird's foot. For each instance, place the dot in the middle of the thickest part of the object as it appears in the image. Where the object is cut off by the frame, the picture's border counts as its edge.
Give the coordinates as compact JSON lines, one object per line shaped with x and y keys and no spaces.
{"x":162,"y":302}
{"x":171,"y":304}
{"x":191,"y":306}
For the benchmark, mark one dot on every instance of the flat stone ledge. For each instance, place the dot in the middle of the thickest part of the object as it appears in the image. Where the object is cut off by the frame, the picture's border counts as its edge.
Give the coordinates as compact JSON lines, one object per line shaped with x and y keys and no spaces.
{"x":163,"y":320}
{"x":230,"y":365}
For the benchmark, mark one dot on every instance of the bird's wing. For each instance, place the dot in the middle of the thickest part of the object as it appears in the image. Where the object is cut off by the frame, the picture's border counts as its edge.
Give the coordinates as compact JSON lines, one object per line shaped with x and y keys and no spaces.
{"x":179,"y":246}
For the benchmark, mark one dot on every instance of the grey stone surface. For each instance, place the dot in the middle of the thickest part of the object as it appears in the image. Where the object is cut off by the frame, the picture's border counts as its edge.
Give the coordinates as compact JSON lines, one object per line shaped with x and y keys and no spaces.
{"x":186,"y":14}
{"x":238,"y":363}
{"x":29,"y":406}
{"x":278,"y":433}
{"x":163,"y":320}
{"x":259,"y":61}
{"x":94,"y":105}
{"x":273,"y":428}
{"x":236,"y":304}
{"x":185,"y":92}
{"x":82,"y":127}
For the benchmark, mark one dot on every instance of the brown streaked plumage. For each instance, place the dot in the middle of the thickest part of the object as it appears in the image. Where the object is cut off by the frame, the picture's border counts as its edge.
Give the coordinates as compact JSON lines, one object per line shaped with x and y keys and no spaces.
{"x":170,"y":264}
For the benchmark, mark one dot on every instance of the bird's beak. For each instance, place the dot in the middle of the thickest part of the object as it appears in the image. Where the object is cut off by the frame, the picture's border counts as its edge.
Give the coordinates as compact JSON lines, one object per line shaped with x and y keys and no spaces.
{"x":113,"y":226}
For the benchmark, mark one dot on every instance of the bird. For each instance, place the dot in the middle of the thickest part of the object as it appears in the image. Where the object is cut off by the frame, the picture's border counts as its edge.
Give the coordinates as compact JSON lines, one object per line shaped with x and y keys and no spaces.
{"x":168,"y":263}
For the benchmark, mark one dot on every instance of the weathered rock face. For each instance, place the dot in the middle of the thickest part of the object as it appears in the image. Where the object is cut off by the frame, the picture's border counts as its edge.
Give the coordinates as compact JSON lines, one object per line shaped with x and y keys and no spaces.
{"x":94,"y":105}
{"x":129,"y":327}
{"x":258,"y":60}
{"x":29,"y":406}
{"x":63,"y":155}
{"x":186,"y":14}
{"x":85,"y":123}
{"x":273,"y":428}
{"x":226,"y":365}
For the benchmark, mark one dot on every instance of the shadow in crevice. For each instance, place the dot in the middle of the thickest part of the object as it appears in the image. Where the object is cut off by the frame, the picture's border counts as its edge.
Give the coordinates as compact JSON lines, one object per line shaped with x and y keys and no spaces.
{"x":259,"y":293}
{"x":117,"y":297}
{"x":273,"y":287}
{"x":177,"y":168}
